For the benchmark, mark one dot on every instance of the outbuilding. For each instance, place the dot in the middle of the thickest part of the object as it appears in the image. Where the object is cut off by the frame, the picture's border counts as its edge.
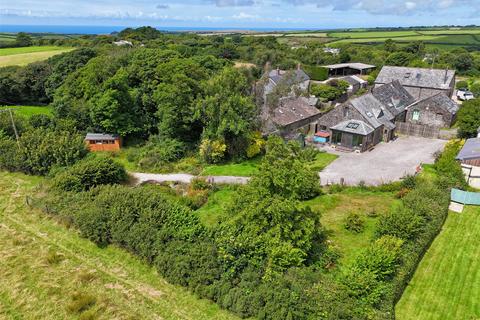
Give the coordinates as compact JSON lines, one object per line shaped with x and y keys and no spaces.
{"x":347,"y":69}
{"x":103,"y":142}
{"x":469,"y":158}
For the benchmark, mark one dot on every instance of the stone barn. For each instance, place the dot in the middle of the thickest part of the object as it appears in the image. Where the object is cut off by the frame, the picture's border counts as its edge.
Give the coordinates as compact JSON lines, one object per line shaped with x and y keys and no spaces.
{"x":436,"y":111}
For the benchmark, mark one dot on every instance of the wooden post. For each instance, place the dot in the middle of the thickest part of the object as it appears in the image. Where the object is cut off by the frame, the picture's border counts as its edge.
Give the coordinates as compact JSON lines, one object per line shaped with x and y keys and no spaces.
{"x":14,"y":126}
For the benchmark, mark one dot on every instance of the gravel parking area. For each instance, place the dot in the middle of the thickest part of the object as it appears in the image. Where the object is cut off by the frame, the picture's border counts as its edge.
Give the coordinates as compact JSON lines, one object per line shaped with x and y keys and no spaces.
{"x":387,"y":162}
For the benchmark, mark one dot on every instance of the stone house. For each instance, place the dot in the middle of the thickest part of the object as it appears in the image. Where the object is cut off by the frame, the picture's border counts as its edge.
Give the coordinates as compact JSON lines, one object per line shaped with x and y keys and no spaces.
{"x":362,"y":122}
{"x":421,"y":83}
{"x":292,"y":116}
{"x":293,"y":81}
{"x":436,"y":111}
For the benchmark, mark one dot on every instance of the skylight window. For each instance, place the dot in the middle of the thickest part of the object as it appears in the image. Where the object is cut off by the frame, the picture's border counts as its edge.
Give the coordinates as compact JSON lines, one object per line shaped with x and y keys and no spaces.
{"x":352,"y":125}
{"x":369,"y":114}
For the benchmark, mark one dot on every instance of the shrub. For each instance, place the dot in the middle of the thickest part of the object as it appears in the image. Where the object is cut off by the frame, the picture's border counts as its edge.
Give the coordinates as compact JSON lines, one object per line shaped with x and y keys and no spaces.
{"x":89,"y":173}
{"x":256,"y":144}
{"x":160,"y":150}
{"x":401,"y":223}
{"x":212,"y":151}
{"x":354,"y":223}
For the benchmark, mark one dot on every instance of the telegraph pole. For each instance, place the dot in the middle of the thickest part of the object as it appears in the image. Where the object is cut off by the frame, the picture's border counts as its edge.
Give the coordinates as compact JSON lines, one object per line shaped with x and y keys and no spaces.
{"x":13,"y":124}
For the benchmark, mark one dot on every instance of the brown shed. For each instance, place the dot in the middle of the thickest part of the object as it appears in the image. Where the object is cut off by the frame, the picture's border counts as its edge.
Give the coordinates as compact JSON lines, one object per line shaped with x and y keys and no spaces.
{"x":103,"y":142}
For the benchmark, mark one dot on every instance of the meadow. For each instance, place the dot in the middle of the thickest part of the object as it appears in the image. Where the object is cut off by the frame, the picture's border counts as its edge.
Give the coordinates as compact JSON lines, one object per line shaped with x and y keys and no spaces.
{"x":49,"y":272}
{"x":447,"y":280}
{"x":28,"y":111}
{"x":25,"y":55}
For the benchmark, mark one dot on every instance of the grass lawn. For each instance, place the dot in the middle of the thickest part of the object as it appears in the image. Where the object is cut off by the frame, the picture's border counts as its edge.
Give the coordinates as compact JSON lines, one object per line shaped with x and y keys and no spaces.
{"x":243,"y":169}
{"x":26,"y":55}
{"x":28,"y":111}
{"x":44,"y":266}
{"x":334,"y":208}
{"x":446,"y":284}
{"x":322,"y":160}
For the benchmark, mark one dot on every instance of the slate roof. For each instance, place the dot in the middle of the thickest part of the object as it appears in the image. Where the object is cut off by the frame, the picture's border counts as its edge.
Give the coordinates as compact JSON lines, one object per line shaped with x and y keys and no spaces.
{"x":470,"y":150}
{"x":101,"y":136}
{"x":373,"y":111}
{"x":292,"y":110}
{"x":353,"y":80}
{"x":298,"y":76}
{"x":352,"y":65}
{"x":439,"y":100}
{"x":354,"y":126}
{"x":416,"y":77}
{"x":393,"y":96}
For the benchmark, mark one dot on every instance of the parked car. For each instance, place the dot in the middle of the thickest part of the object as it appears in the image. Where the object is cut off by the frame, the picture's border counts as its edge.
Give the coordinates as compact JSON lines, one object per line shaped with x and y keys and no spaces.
{"x":464,"y":94}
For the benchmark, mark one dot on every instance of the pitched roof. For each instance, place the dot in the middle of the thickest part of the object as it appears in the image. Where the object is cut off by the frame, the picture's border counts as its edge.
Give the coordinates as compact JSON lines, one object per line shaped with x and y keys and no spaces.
{"x":438,"y":100}
{"x":352,"y":65}
{"x":393,"y":96}
{"x":292,"y":76}
{"x":292,"y":110}
{"x":373,"y":111}
{"x":417,"y":77}
{"x":101,"y":136}
{"x":354,"y":126}
{"x":353,"y":80}
{"x":470,"y":150}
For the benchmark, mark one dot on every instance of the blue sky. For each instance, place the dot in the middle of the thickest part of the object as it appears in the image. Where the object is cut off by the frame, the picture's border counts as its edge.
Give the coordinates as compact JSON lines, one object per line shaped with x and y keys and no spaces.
{"x":241,"y":13}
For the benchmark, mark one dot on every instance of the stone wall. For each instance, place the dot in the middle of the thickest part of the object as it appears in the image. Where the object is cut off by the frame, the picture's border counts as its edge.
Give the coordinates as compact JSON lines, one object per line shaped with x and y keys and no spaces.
{"x":430,"y":115}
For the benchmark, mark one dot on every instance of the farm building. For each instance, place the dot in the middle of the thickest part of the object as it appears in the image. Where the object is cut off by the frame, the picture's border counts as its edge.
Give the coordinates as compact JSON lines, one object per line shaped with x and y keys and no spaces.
{"x":347,"y":69}
{"x":421,"y":83}
{"x":103,"y":142}
{"x":469,"y":158}
{"x":294,"y":80}
{"x":362,"y":122}
{"x":356,"y":83}
{"x":436,"y":111}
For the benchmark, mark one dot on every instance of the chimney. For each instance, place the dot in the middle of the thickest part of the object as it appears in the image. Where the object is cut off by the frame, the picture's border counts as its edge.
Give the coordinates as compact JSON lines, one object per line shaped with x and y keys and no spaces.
{"x":446,"y":73}
{"x":278,"y":71}
{"x":268,"y":66}
{"x":298,"y":66}
{"x":478,"y":132}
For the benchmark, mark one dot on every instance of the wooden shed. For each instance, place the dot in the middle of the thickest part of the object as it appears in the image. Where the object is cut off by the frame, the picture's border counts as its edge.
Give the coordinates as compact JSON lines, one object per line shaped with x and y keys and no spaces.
{"x":103,"y":142}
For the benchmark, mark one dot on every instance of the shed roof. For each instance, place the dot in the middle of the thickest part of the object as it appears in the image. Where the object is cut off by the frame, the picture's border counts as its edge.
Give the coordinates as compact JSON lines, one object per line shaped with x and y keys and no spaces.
{"x":292,"y":110}
{"x":354,"y":126}
{"x":465,"y":197}
{"x":352,"y":65}
{"x":101,"y":136}
{"x":417,"y":77}
{"x":470,"y":150}
{"x":291,"y":76}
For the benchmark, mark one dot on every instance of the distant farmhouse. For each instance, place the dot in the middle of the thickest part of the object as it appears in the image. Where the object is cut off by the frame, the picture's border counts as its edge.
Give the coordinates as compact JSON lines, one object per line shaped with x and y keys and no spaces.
{"x":123,"y":43}
{"x":420,"y":82}
{"x":347,"y":69}
{"x":334,"y":51}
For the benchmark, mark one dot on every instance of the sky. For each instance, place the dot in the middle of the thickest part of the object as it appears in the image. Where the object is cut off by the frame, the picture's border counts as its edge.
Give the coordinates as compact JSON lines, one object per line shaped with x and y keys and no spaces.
{"x":247,"y":14}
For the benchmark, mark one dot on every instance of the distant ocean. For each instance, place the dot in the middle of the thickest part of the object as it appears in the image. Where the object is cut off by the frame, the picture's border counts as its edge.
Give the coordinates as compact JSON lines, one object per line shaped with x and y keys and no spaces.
{"x":110,"y":29}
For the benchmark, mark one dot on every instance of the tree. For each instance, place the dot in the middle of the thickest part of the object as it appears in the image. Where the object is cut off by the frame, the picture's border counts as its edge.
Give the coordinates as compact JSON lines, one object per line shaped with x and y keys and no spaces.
{"x":468,"y":118}
{"x":463,"y":61}
{"x":390,"y":46}
{"x":23,"y":40}
{"x":399,"y":58}
{"x":226,"y":110}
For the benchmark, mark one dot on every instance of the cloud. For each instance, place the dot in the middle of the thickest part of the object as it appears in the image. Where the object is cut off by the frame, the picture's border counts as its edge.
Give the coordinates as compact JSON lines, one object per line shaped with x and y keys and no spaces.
{"x":162,"y":6}
{"x":244,"y":16}
{"x":389,"y":7}
{"x":234,"y":3}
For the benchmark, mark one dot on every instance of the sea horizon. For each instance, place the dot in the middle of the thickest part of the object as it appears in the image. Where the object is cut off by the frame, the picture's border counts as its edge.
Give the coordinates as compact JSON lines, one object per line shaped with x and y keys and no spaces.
{"x":84,"y":29}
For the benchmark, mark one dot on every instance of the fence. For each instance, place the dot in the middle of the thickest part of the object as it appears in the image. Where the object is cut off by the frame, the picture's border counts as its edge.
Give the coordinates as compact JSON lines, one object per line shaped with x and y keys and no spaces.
{"x":418,"y":130}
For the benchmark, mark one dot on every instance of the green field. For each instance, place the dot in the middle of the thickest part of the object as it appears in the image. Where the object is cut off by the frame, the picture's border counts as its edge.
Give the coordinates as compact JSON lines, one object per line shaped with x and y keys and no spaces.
{"x":446,"y":284}
{"x":49,"y":272}
{"x":26,"y":55}
{"x":28,"y":111}
{"x":243,"y":169}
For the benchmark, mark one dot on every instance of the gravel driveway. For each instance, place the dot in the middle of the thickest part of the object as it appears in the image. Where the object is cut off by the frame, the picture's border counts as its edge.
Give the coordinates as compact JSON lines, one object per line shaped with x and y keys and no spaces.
{"x":386,"y":163}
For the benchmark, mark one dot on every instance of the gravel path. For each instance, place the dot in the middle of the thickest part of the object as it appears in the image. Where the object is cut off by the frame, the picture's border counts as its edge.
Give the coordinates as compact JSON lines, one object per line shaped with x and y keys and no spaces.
{"x":386,"y":163}
{"x":184,"y":178}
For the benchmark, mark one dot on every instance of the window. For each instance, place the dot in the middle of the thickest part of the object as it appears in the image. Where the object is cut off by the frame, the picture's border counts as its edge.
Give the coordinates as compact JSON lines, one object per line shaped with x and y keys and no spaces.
{"x":336,"y":137}
{"x":345,"y":111}
{"x":357,"y":140}
{"x":323,"y":128}
{"x":415,"y":115}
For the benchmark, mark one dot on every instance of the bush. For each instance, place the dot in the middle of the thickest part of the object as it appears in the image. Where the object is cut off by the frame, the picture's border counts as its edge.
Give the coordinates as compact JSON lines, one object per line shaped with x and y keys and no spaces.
{"x":354,"y":223}
{"x":159,"y":151}
{"x":212,"y":151}
{"x":461,"y":84}
{"x":90,"y":173}
{"x":401,"y":223}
